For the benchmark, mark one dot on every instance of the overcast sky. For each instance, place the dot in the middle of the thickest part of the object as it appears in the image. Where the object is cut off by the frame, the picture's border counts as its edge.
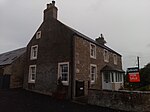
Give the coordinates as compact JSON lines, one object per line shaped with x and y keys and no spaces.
{"x":125,"y":24}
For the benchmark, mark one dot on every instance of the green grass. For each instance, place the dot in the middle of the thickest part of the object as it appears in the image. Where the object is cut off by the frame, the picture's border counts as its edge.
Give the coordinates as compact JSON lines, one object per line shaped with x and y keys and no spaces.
{"x":144,"y":88}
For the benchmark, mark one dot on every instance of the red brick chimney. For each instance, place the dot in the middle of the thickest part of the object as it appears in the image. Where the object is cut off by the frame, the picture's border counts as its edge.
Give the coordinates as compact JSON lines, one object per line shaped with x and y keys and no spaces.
{"x":50,"y":11}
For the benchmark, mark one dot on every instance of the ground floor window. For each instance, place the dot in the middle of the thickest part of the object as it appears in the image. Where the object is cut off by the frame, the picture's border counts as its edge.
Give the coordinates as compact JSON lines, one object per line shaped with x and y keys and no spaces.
{"x":32,"y":74}
{"x":93,"y":72}
{"x":63,"y":72}
{"x":113,"y":77}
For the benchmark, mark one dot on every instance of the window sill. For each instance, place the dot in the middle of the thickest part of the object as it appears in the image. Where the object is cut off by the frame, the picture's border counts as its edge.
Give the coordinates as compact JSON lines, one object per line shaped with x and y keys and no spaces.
{"x":92,"y":57}
{"x":31,"y":81}
{"x":33,"y":58}
{"x":65,"y":83}
{"x":115,"y":63}
{"x":92,"y":82}
{"x":106,"y":61}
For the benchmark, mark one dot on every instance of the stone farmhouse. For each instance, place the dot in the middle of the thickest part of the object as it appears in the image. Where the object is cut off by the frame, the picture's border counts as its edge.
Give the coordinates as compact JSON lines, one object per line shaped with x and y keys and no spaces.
{"x":61,"y":60}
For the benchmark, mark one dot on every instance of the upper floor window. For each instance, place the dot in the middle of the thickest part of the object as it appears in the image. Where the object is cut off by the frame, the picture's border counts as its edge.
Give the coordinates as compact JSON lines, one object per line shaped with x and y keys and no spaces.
{"x":106,"y":56}
{"x":92,"y":51}
{"x":63,"y":72}
{"x":38,"y":35}
{"x":32,"y":74}
{"x":34,"y":51}
{"x":93,"y":73}
{"x":115,"y":59}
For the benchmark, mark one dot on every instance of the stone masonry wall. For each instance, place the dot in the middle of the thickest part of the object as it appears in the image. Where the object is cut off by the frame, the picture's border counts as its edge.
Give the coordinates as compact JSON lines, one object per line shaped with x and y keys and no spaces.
{"x":54,"y":47}
{"x":136,"y":101}
{"x":83,"y":61}
{"x":7,"y":70}
{"x":16,"y":80}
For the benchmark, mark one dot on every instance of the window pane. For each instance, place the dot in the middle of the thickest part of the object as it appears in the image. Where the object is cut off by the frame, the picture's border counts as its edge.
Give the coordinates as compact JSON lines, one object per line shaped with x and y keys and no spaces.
{"x":106,"y":56}
{"x":93,"y":50}
{"x":34,"y":50}
{"x":112,"y":77}
{"x":115,"y":59}
{"x":106,"y":77}
{"x":92,"y":77}
{"x":32,"y":73}
{"x":33,"y":77}
{"x":116,"y":77}
{"x":32,"y":70}
{"x":92,"y":70}
{"x":64,"y":68}
{"x":64,"y":77}
{"x":120,"y":77}
{"x":64,"y":72}
{"x":93,"y":73}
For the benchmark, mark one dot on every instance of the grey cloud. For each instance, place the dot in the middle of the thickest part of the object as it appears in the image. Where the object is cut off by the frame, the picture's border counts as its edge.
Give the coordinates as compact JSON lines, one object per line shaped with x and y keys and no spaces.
{"x":148,"y":45}
{"x":125,"y":23}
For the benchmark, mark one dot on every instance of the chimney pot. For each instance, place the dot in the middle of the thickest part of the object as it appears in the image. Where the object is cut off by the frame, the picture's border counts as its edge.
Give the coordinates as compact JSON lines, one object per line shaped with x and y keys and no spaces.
{"x":102,"y":36}
{"x":53,"y":3}
{"x":48,"y":6}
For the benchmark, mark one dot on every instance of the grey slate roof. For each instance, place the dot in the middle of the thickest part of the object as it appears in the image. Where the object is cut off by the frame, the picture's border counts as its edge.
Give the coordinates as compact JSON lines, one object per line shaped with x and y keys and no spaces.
{"x":89,"y":39}
{"x":111,"y":68}
{"x":8,"y":57}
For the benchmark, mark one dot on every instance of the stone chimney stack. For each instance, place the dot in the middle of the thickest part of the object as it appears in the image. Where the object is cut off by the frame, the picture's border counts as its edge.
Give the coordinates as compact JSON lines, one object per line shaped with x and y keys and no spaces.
{"x":50,"y":11}
{"x":101,"y":40}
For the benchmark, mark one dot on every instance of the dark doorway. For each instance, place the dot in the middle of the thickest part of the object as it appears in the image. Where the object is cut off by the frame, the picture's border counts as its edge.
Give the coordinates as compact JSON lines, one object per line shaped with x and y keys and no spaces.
{"x":4,"y":81}
{"x":79,"y":88}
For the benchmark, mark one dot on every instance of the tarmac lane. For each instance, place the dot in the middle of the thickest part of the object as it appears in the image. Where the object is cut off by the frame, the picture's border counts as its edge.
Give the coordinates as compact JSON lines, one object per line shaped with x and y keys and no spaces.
{"x":19,"y":100}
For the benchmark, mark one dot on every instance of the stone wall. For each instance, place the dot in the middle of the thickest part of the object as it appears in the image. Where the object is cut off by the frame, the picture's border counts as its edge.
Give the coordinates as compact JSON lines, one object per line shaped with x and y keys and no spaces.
{"x":54,"y":47}
{"x":7,"y":70}
{"x":83,"y":61}
{"x":122,"y":100}
{"x":16,"y":80}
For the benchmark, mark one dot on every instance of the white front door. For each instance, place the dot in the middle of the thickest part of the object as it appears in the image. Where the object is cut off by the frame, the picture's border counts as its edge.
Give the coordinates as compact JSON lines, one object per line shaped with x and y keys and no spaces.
{"x":106,"y":84}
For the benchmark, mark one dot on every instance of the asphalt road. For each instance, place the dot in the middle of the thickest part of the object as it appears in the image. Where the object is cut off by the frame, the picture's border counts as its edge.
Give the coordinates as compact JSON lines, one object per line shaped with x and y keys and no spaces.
{"x":24,"y":101}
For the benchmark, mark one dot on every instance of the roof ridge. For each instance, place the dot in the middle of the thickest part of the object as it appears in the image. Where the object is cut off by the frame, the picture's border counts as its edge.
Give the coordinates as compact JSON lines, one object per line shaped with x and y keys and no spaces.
{"x":88,"y":38}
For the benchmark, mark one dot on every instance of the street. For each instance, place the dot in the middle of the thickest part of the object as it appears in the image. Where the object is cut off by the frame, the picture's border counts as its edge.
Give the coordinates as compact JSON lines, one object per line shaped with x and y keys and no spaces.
{"x":18,"y":100}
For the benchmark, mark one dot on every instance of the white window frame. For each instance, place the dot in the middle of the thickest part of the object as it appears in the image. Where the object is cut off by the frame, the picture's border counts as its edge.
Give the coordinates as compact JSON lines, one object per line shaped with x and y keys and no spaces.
{"x":60,"y":72}
{"x":32,"y":57}
{"x":118,"y":77}
{"x":114,"y":77}
{"x":93,"y":50}
{"x":115,"y":59}
{"x":91,"y":74}
{"x":30,"y":80}
{"x":106,"y":55}
{"x":38,"y":35}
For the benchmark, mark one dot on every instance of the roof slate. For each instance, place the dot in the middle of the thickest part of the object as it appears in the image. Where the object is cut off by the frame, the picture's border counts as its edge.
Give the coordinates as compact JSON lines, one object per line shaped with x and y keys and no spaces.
{"x":89,"y":39}
{"x":9,"y":57}
{"x":111,"y":68}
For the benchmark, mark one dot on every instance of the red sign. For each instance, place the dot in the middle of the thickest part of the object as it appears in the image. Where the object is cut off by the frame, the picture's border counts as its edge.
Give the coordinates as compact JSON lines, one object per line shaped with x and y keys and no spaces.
{"x":134,"y":77}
